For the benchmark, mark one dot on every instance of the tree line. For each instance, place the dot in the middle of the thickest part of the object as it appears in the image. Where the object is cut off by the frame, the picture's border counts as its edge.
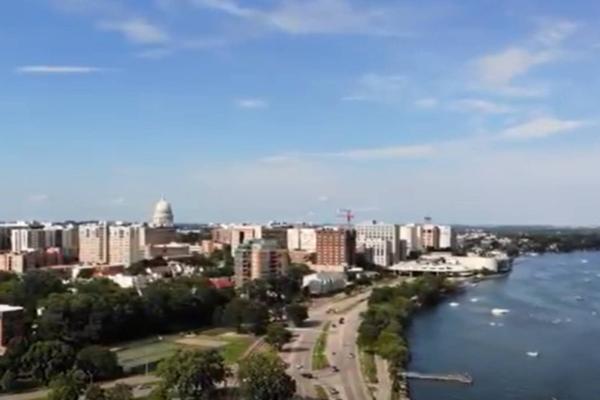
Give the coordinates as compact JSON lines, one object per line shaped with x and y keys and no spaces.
{"x":384,"y":325}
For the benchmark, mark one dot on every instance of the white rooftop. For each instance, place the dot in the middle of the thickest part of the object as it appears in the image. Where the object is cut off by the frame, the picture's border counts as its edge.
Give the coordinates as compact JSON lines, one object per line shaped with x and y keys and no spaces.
{"x":6,"y":308}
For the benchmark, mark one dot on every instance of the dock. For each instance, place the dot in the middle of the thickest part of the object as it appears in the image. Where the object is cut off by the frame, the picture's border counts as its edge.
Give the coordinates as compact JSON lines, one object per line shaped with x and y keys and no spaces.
{"x":458,"y":378}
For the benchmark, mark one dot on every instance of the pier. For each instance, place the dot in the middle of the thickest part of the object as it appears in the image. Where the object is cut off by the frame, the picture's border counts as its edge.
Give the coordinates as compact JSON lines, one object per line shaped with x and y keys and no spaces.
{"x":458,"y":378}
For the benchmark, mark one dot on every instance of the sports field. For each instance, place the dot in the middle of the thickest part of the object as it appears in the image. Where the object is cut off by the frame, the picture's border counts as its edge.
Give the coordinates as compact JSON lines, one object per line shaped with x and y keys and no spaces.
{"x":146,"y":354}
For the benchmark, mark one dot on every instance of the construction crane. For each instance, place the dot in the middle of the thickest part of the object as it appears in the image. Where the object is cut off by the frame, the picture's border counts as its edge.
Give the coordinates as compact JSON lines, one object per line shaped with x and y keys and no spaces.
{"x":347,"y":214}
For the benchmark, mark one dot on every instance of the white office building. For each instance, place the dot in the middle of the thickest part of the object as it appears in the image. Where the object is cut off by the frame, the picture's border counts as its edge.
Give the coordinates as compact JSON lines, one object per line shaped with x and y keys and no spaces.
{"x":411,"y":235}
{"x":93,"y":243}
{"x":27,"y":239}
{"x":447,"y":237}
{"x":383,"y":239}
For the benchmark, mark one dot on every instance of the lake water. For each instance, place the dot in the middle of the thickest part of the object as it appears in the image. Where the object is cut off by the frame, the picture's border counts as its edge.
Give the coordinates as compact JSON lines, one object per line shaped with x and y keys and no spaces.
{"x":554,"y":303}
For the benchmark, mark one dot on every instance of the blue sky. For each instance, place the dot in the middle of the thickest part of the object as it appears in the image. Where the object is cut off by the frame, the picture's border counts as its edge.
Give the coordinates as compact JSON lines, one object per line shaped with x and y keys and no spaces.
{"x":468,"y":111}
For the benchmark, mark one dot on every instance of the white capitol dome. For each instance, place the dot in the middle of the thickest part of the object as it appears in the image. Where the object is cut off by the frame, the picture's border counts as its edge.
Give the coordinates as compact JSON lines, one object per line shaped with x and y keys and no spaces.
{"x":163,"y":214}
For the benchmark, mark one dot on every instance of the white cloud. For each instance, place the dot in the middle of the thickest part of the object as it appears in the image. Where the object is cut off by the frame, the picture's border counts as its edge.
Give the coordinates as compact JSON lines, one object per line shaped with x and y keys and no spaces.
{"x":378,"y":88}
{"x":370,"y":153}
{"x":481,"y":106}
{"x":137,"y":30}
{"x":427,"y":102}
{"x":252,"y":103}
{"x":541,"y":127}
{"x":499,"y":69}
{"x":416,"y":151}
{"x":57,"y":69}
{"x":314,"y":17}
{"x":117,"y":201}
{"x":38,"y":198}
{"x":553,"y":32}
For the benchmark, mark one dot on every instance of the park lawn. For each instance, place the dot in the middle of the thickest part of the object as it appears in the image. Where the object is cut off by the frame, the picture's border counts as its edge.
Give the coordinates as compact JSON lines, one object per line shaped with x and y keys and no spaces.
{"x":368,"y":366}
{"x":319,"y":359}
{"x":235,"y":348}
{"x":321,"y":393}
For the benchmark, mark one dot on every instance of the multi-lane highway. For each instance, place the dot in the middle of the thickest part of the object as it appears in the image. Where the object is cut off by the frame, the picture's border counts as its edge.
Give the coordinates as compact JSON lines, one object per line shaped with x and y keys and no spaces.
{"x":346,"y":382}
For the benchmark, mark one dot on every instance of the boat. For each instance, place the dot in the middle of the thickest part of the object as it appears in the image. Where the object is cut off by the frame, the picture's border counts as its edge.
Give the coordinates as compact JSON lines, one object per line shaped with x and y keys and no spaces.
{"x":533,"y":354}
{"x":584,"y":261}
{"x":578,"y":298}
{"x":454,"y":304}
{"x":499,"y":311}
{"x":474,"y":300}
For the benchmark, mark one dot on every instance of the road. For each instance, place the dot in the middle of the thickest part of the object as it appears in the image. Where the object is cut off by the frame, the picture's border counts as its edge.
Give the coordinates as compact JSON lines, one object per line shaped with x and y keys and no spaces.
{"x":341,"y":341}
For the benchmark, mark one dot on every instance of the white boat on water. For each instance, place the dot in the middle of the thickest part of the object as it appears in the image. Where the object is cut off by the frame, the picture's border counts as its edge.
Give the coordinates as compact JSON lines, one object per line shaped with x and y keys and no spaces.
{"x":499,"y":311}
{"x":474,"y":300}
{"x":453,"y":304}
{"x":584,"y":261}
{"x":533,"y":354}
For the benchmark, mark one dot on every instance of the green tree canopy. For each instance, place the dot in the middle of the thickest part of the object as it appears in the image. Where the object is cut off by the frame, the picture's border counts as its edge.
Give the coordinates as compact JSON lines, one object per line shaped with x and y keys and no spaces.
{"x":98,"y":362}
{"x":278,"y":335}
{"x":262,"y":376}
{"x":45,"y":360}
{"x":193,"y":374}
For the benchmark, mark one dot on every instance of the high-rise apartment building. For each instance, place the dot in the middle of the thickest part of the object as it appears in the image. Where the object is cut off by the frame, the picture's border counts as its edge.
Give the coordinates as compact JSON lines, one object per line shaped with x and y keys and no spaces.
{"x":302,"y":239}
{"x":259,"y":259}
{"x":28,"y":239}
{"x":124,"y":244}
{"x":447,"y":237}
{"x":93,"y":243}
{"x":430,"y":236}
{"x":384,"y":239}
{"x":336,"y":247}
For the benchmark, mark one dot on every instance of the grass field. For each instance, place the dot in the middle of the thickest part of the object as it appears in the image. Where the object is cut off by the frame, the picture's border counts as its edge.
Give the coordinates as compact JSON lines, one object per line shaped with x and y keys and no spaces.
{"x":319,"y":359}
{"x":368,"y":366}
{"x":137,"y":356}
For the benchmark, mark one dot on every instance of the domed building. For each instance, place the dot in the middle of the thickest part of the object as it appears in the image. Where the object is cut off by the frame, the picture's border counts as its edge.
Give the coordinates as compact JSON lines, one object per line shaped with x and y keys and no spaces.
{"x":163,"y":214}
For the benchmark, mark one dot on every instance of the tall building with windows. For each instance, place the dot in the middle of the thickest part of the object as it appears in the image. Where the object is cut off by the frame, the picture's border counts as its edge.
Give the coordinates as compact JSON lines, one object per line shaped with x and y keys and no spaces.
{"x":302,"y":239}
{"x":411,"y":235}
{"x":447,"y":237}
{"x":384,"y":239}
{"x":93,"y":243}
{"x":430,"y":236}
{"x":336,"y":248}
{"x":24,"y":239}
{"x":259,"y":259}
{"x":124,"y":245}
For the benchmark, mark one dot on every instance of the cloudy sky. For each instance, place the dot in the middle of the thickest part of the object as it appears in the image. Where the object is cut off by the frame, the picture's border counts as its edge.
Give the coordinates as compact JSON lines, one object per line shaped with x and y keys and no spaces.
{"x":469,"y":111}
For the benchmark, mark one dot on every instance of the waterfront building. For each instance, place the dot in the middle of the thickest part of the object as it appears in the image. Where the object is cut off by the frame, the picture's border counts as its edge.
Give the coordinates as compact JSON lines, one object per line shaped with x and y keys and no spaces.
{"x":336,"y":249}
{"x":93,"y":243}
{"x":447,"y":237}
{"x":446,"y":264}
{"x":304,"y":239}
{"x":12,"y":325}
{"x":430,"y":236}
{"x":259,"y":259}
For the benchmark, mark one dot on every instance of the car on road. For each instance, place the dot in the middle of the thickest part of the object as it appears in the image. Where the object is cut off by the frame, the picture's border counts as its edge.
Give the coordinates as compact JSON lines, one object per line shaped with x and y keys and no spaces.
{"x":299,"y":366}
{"x":307,"y":375}
{"x":342,"y":320}
{"x":333,"y":391}
{"x":335,"y":369}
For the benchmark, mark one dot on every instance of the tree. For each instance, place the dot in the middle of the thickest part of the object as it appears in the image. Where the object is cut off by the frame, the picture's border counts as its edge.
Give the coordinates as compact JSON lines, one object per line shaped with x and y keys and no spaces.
{"x":193,"y":374}
{"x":297,"y":313}
{"x":262,"y":376}
{"x":68,"y":386}
{"x":278,"y":335}
{"x":98,"y":362}
{"x":94,"y":392}
{"x":120,"y":391}
{"x":45,"y":360}
{"x":8,"y":381}
{"x":246,"y":315}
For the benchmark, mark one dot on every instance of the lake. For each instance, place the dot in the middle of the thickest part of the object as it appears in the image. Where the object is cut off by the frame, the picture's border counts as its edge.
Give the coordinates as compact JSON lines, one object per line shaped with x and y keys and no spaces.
{"x":554,"y":303}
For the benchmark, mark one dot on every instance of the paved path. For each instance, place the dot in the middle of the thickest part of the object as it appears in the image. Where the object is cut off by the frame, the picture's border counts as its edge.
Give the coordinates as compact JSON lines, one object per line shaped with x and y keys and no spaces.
{"x":135,"y":381}
{"x":384,"y":385}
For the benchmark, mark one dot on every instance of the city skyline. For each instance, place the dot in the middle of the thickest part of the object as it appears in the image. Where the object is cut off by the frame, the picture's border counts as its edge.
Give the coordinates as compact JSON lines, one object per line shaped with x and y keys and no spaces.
{"x":289,"y":110}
